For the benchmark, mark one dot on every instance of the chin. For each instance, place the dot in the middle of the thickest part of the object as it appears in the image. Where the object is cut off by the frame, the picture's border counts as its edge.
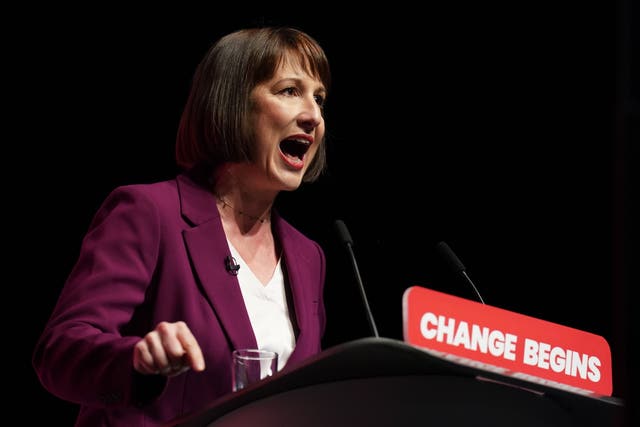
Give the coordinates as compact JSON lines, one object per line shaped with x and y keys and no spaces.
{"x":291,"y":183}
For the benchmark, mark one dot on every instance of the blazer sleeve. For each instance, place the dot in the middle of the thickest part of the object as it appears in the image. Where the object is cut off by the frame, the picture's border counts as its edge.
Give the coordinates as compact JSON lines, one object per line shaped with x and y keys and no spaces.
{"x":84,"y":354}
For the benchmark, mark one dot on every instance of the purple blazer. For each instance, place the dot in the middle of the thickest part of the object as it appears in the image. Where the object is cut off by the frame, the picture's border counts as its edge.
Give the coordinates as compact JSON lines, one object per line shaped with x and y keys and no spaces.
{"x":156,"y":252}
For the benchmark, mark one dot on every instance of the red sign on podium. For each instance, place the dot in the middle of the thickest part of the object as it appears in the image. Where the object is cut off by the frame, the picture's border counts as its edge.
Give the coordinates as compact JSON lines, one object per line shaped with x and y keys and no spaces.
{"x":506,"y":342}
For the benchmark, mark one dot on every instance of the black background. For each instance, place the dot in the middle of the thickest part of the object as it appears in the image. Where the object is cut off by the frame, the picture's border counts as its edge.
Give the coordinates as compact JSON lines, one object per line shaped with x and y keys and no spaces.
{"x":504,"y":130}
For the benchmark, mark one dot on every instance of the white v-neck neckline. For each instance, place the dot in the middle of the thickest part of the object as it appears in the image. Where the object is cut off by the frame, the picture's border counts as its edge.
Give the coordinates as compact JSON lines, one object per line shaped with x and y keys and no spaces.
{"x":254,"y":279}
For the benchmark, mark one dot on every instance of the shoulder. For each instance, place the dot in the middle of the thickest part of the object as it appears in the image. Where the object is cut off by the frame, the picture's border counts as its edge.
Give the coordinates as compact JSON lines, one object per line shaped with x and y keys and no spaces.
{"x":144,"y":198}
{"x":155,"y":191}
{"x":177,"y":199}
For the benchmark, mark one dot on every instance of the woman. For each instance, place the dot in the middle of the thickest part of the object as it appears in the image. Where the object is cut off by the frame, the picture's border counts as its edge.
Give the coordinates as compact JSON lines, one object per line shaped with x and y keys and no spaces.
{"x":175,"y":275}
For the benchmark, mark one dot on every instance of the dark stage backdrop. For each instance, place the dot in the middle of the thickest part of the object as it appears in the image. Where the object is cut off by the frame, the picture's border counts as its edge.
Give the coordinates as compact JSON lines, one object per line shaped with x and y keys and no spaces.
{"x":493,"y":128}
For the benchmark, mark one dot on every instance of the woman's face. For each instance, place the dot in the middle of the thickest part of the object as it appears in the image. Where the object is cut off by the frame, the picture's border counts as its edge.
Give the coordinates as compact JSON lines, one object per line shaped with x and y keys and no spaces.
{"x":288,"y":125}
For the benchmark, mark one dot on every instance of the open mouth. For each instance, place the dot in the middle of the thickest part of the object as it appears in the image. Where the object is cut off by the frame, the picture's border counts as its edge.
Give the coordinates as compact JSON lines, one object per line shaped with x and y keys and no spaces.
{"x":294,"y":150}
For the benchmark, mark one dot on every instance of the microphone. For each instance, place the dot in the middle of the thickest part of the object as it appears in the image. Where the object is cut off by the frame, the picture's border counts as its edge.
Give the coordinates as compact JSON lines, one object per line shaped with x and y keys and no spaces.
{"x":345,"y":236}
{"x":231,"y":265}
{"x":456,"y":265}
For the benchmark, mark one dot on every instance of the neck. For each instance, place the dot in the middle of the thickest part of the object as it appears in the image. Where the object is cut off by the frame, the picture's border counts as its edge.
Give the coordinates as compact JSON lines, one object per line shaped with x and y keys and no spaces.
{"x":240,"y":197}
{"x":265,"y":217}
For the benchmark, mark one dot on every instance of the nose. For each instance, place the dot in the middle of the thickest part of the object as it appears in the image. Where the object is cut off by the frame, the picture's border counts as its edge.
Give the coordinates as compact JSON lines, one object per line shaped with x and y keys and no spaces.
{"x":310,"y":115}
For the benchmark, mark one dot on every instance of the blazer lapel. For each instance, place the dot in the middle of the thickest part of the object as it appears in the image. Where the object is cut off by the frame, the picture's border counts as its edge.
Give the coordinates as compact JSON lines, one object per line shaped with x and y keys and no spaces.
{"x":296,"y":267}
{"x":207,"y":247}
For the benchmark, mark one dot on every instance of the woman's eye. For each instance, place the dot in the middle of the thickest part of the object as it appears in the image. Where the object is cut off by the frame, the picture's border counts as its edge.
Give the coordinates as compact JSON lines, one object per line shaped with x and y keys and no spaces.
{"x":289,"y":91}
{"x":294,"y":91}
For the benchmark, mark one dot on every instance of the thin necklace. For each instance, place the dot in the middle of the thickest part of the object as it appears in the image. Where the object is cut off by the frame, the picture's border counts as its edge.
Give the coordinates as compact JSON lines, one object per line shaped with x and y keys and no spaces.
{"x":255,"y":218}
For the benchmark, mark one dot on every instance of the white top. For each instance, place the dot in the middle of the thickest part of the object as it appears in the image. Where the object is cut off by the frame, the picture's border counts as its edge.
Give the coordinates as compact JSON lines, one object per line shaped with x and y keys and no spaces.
{"x":267,"y":308}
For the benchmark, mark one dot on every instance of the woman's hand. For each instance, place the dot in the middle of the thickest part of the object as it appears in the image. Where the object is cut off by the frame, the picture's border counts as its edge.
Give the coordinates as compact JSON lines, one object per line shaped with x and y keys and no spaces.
{"x":170,"y":349}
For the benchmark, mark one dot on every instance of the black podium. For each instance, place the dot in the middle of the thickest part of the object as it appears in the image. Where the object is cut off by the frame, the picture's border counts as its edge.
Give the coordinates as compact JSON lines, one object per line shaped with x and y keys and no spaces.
{"x":385,"y":382}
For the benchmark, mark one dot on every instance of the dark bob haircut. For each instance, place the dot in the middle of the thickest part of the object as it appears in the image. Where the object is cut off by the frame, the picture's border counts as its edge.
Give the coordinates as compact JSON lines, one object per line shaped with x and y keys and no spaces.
{"x":214,"y":127}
